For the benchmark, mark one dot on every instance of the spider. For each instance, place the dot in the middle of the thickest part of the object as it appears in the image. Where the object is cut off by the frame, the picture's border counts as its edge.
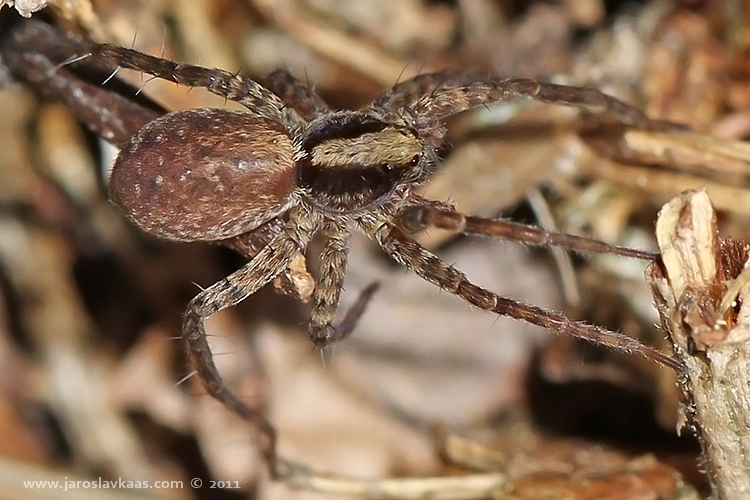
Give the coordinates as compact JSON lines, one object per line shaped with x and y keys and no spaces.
{"x":289,"y":168}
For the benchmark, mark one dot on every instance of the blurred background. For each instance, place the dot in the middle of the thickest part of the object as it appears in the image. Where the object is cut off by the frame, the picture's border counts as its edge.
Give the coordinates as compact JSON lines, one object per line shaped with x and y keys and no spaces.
{"x":94,"y":373}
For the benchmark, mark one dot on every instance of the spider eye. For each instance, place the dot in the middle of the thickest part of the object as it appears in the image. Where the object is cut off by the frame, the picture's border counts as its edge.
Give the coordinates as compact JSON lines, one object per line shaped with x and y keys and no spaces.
{"x":387,"y":167}
{"x":415,"y":160}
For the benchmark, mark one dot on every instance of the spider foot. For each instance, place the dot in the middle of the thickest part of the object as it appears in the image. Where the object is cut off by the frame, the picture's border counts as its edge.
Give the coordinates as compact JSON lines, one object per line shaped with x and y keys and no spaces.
{"x":327,"y":333}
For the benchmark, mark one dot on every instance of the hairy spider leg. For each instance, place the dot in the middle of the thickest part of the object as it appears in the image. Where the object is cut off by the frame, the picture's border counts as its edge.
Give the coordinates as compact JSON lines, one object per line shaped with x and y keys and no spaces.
{"x":418,"y":217}
{"x":430,"y":267}
{"x":247,"y":92}
{"x":296,"y":94}
{"x":271,"y":261}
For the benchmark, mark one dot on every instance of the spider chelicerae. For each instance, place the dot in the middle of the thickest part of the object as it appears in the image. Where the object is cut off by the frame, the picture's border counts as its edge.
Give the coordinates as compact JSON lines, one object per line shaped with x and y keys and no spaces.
{"x":272,"y":177}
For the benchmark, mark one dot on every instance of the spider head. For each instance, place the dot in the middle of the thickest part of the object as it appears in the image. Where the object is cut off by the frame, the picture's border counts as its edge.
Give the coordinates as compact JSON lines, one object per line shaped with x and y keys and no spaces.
{"x":352,"y":160}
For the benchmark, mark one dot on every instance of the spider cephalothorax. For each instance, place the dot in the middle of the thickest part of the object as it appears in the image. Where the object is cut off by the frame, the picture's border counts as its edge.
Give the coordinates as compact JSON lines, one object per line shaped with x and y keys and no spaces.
{"x":290,"y":168}
{"x":352,"y":161}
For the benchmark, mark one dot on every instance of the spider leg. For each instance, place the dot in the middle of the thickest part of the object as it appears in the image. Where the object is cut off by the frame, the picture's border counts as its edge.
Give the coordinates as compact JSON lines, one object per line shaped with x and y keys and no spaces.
{"x":328,"y":288}
{"x":329,"y":284}
{"x":415,"y":218}
{"x":428,"y":266}
{"x":296,"y":95}
{"x":404,"y":93}
{"x":247,"y":92}
{"x":355,"y":311}
{"x":269,"y":263}
{"x":251,"y":243}
{"x":428,"y":112}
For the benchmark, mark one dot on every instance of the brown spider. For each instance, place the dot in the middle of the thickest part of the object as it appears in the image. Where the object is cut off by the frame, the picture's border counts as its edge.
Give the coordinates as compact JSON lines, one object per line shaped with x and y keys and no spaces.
{"x":272,"y":177}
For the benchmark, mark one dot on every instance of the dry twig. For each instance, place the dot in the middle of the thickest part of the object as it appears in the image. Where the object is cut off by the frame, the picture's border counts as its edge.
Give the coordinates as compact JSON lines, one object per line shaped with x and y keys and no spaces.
{"x":706,"y":317}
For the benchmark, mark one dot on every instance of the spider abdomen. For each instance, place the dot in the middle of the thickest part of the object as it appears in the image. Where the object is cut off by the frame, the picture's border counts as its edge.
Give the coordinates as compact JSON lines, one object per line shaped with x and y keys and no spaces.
{"x":204,"y":174}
